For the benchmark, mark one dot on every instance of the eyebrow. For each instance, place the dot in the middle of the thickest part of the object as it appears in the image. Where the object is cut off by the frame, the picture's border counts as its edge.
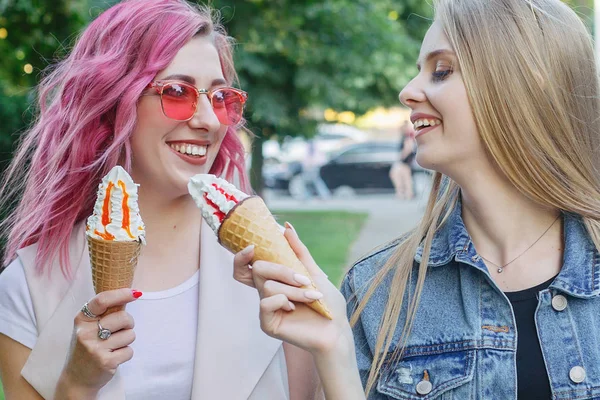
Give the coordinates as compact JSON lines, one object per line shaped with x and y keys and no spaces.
{"x":192,"y":81}
{"x":434,"y":54}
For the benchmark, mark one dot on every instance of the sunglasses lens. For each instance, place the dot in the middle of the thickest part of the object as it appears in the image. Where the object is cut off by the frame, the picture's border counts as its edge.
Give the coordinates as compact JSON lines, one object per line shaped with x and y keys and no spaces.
{"x":179,"y":101}
{"x":228,"y":106}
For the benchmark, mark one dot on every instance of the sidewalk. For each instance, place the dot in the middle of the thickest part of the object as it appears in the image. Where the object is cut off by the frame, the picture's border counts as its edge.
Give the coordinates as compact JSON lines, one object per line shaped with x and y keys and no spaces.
{"x":388,"y":217}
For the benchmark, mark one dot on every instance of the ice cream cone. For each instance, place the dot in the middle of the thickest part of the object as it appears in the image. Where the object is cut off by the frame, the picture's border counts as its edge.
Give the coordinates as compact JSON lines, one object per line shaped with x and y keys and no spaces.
{"x":251,"y":222}
{"x":113,"y":265}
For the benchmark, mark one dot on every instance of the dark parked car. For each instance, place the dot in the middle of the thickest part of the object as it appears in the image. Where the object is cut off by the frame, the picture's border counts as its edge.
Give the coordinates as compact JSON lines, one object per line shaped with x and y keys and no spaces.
{"x":365,"y":167}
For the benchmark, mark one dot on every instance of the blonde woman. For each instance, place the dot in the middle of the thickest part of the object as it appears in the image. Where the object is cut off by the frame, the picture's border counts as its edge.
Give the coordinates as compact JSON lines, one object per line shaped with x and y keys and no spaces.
{"x":496,"y":293}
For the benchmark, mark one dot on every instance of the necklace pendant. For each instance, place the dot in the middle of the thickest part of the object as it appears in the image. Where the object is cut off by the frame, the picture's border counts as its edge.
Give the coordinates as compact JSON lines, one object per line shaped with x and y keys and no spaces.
{"x":500,"y":270}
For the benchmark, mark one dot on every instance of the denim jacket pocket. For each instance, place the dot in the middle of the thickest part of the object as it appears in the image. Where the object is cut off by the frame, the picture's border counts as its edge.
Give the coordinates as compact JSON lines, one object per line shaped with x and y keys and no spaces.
{"x":432,"y":376}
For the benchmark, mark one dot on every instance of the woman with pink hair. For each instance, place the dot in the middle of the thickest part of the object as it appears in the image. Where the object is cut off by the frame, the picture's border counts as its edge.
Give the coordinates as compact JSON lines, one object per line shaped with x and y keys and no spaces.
{"x":137,"y":90}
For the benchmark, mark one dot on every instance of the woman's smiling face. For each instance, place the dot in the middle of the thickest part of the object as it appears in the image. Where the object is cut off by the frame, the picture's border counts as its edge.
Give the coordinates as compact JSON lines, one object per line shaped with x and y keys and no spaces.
{"x":445,"y":129}
{"x":159,"y":143}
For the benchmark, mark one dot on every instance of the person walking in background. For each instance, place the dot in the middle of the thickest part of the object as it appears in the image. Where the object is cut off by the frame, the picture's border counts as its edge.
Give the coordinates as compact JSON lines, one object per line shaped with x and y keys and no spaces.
{"x":311,"y":171}
{"x":495,"y":294}
{"x":148,"y":86}
{"x":401,"y":170}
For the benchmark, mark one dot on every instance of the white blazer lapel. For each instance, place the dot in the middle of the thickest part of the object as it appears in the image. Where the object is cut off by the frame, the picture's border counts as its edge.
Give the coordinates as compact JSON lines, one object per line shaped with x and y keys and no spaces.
{"x":47,"y":359}
{"x":232,"y":353}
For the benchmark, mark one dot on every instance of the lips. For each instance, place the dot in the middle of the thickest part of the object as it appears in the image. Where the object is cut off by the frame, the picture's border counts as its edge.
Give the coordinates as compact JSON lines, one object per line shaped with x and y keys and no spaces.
{"x":424,"y":123}
{"x":191,"y":151}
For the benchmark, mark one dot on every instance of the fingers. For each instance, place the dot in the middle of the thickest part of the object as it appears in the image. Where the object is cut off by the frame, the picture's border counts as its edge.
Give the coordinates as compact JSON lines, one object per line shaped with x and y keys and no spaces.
{"x":103,"y":301}
{"x":273,"y":288}
{"x":243,"y":258}
{"x":119,"y":339}
{"x":267,"y":271}
{"x":116,"y":321}
{"x":270,"y":305}
{"x":122,"y":355}
{"x":241,"y":266}
{"x":271,"y":309}
{"x":301,"y":251}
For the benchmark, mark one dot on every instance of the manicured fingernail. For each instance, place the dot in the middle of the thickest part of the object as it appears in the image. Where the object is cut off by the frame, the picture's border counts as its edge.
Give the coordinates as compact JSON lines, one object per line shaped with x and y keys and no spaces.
{"x":248,"y":249}
{"x":301,"y":279}
{"x":290,"y":226}
{"x":136,"y":294}
{"x":292,"y":306}
{"x":313,"y":295}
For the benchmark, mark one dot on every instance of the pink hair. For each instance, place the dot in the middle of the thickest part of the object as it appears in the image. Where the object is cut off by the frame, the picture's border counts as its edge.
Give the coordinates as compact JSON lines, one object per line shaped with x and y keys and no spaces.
{"x":87,"y":114}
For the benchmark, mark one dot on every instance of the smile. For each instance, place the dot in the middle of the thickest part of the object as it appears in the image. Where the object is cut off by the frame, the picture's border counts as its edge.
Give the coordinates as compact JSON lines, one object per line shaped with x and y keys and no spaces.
{"x":189,"y":149}
{"x":425,"y":123}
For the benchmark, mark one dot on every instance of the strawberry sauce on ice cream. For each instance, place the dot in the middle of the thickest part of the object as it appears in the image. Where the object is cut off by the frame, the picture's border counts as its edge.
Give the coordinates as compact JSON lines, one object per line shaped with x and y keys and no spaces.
{"x":215,"y":197}
{"x":116,"y":214}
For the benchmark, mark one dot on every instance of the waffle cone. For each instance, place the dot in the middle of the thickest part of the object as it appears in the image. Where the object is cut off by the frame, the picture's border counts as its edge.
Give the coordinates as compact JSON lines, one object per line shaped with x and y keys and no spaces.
{"x":113,"y":265}
{"x":251,"y":222}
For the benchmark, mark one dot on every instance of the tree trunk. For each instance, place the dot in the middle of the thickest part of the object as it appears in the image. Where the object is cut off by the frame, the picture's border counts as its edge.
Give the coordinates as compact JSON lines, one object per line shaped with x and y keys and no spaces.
{"x":256,"y":177}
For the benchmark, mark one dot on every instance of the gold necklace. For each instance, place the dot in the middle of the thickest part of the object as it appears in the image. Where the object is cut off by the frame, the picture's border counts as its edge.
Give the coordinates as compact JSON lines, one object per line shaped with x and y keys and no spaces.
{"x":501,"y":267}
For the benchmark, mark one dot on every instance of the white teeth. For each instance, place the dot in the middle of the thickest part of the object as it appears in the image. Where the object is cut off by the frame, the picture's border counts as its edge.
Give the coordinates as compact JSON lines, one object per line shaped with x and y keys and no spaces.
{"x":189,"y":149}
{"x":426,"y":123}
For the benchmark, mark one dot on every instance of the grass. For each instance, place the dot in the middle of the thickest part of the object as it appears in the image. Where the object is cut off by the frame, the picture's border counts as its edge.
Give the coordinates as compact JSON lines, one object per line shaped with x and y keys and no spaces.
{"x":328,"y":235}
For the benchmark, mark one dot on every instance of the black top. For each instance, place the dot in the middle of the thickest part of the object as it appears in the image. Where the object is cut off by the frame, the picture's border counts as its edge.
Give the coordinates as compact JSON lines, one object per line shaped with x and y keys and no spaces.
{"x":532,"y":378}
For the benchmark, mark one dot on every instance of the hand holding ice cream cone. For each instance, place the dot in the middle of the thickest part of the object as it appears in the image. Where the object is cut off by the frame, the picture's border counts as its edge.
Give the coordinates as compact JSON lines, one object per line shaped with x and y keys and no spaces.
{"x":115,"y":233}
{"x":240,"y":220}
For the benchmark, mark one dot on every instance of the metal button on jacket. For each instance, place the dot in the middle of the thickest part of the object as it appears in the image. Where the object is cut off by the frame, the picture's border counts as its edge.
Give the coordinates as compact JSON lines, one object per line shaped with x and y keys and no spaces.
{"x":424,"y":387}
{"x":559,"y":302}
{"x":577,"y":374}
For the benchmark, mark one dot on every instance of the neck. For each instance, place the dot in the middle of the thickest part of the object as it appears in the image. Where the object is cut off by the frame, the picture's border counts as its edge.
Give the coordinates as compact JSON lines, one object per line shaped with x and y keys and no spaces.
{"x":172,"y":252}
{"x":501,"y":221}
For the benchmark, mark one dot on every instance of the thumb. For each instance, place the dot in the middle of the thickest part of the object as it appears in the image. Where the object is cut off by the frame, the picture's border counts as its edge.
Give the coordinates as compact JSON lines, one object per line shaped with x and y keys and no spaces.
{"x":302,"y":251}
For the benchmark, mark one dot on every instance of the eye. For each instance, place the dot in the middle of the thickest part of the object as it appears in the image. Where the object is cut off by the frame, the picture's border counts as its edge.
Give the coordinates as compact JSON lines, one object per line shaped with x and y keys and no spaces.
{"x":442,"y":71}
{"x":176,"y":90}
{"x":218,"y":97}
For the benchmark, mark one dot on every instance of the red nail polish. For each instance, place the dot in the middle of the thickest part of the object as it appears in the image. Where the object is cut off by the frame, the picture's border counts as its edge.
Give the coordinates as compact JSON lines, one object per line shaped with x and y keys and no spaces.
{"x":136,"y":294}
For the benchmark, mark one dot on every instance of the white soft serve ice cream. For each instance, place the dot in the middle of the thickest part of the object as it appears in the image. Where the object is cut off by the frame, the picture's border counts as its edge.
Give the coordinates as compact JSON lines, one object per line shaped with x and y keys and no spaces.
{"x":116,"y":214}
{"x":215,"y":197}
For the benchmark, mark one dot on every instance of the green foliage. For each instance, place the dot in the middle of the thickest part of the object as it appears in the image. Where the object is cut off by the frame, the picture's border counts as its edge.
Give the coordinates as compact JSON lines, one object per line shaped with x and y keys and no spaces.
{"x":35,"y":35}
{"x":328,"y":235}
{"x":296,"y":55}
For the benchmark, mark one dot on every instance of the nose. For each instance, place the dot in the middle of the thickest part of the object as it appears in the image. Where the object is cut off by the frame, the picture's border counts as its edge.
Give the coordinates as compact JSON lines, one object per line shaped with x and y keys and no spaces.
{"x":412,"y":94}
{"x":205,"y":117}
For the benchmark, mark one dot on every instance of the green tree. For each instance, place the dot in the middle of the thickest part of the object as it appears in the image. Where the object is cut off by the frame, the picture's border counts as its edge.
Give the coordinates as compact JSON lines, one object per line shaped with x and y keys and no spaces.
{"x":32,"y":35}
{"x":294,"y":56}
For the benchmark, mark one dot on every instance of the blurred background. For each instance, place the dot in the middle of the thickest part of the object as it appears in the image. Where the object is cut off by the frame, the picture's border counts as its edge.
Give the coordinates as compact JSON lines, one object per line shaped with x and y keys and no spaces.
{"x":323,"y":79}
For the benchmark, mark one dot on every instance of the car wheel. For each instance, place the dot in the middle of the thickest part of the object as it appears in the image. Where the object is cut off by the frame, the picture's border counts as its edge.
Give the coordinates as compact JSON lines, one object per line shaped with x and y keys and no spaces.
{"x":344,"y":192}
{"x":297,"y":187}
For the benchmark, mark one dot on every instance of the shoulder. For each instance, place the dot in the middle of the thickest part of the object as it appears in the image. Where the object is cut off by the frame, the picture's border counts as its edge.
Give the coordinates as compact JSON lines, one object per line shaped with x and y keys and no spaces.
{"x":16,"y":306}
{"x":367,"y":267}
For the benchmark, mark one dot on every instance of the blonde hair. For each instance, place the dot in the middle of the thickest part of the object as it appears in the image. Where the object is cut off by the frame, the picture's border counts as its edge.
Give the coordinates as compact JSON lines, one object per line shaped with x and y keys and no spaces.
{"x":529,"y":71}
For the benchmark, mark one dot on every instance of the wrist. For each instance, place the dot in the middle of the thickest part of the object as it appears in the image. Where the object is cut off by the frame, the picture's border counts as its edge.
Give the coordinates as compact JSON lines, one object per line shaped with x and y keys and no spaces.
{"x":338,"y":370}
{"x":67,"y":389}
{"x":341,"y":353}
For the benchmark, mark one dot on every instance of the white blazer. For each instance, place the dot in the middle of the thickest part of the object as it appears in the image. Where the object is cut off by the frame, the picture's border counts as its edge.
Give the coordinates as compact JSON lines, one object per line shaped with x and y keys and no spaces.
{"x":234,"y":358}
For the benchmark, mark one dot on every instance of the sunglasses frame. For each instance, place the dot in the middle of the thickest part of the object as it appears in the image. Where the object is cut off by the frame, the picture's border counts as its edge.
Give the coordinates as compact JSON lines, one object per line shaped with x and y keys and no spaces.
{"x":159,"y":86}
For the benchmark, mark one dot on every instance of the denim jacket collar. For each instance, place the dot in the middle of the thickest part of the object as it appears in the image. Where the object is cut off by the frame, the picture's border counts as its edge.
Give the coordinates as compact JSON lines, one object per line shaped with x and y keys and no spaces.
{"x":579,"y":276}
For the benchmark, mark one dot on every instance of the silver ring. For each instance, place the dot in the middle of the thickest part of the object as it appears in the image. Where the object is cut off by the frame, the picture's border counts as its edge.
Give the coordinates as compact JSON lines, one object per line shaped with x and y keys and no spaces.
{"x":86,"y":311}
{"x":103,"y":333}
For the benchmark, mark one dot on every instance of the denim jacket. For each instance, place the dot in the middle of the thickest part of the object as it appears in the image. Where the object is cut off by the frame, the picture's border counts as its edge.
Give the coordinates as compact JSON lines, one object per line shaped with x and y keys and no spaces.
{"x":463,"y":343}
